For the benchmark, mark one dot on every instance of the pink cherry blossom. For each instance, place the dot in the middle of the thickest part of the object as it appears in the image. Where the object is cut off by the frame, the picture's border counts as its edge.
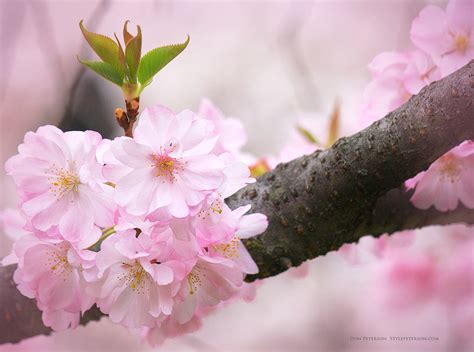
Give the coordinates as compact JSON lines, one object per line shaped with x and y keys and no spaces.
{"x":231,"y":132}
{"x":447,"y":181}
{"x":52,"y":274}
{"x":447,"y":36}
{"x":60,"y":183}
{"x":396,"y":77}
{"x":136,"y":278}
{"x":167,"y":163}
{"x":212,"y":280}
{"x":220,"y":230}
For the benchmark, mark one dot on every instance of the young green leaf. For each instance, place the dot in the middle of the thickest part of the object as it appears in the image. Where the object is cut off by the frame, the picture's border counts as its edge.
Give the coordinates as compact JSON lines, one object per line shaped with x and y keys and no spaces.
{"x":307,"y":135}
{"x":126,"y":35}
{"x":105,"y":70}
{"x":133,"y":52}
{"x":103,"y":46}
{"x":121,"y":56}
{"x":154,"y":60}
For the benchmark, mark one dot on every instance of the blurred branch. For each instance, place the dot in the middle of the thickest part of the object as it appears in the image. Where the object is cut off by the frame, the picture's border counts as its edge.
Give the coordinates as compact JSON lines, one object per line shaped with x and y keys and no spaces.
{"x":71,"y":119}
{"x":394,"y":212}
{"x":318,"y":202}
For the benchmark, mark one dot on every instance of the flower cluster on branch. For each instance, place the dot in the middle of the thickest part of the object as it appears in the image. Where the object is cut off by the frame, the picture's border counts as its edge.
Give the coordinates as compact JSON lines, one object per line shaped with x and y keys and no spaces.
{"x":137,"y":226}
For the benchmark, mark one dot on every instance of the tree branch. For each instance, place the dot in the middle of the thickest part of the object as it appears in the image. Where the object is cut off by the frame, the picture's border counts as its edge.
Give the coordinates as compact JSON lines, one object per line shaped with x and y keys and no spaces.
{"x":394,"y":212}
{"x":318,"y":202}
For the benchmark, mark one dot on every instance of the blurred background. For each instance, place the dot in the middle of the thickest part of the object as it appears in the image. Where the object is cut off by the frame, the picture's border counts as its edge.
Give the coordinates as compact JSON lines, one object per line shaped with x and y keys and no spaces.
{"x":267,"y":63}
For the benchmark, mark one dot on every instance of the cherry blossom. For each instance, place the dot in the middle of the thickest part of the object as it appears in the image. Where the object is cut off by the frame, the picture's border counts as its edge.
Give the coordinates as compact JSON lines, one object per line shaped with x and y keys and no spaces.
{"x":212,"y":280}
{"x":60,"y":183}
{"x":231,"y":132}
{"x":396,"y":77}
{"x":447,"y":181}
{"x":447,"y":36}
{"x":51,"y":272}
{"x":168,"y":163}
{"x":137,"y":278}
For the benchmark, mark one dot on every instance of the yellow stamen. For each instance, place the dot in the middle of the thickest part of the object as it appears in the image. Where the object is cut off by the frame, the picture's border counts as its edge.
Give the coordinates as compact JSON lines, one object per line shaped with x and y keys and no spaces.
{"x":136,"y":278}
{"x":63,"y":182}
{"x":229,"y":250}
{"x":166,"y":167}
{"x":194,"y":280}
{"x":461,"y":41}
{"x":450,"y":167}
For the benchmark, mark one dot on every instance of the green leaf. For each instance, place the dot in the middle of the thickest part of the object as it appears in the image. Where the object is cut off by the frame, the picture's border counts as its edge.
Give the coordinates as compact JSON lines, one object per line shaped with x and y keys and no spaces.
{"x":121,"y":56}
{"x":307,"y":135}
{"x":126,"y":35}
{"x":133,"y":52}
{"x":103,"y":46}
{"x":154,"y":60}
{"x":105,"y":70}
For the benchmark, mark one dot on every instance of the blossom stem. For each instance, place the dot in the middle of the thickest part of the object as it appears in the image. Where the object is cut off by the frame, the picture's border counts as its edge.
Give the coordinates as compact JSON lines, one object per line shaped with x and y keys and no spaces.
{"x":105,"y":234}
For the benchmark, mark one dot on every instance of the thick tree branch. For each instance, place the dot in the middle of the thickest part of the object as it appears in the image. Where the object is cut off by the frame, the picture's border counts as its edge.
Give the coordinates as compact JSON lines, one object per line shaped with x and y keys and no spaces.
{"x":319,"y":202}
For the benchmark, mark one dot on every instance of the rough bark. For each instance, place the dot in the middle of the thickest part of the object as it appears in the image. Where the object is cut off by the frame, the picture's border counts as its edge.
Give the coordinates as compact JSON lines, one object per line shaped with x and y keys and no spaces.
{"x":319,"y":202}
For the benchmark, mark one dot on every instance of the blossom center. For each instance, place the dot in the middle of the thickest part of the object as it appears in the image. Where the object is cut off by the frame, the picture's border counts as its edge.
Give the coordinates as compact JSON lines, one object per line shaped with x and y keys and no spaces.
{"x":135,"y":277}
{"x":194,"y":280}
{"x":450,"y":167}
{"x":214,"y":208}
{"x":166,"y":167}
{"x":461,"y":41}
{"x":63,"y":181}
{"x":58,"y":264}
{"x":228,"y":250}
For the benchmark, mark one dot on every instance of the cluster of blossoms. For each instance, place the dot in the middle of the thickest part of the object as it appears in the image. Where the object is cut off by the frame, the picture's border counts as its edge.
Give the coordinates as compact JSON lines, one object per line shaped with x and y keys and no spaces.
{"x":444,"y":42}
{"x":137,"y":226}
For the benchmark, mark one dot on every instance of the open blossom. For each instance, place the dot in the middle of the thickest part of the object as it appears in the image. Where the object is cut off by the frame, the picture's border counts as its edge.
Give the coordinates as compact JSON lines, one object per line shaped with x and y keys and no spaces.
{"x":219,"y":272}
{"x":137,"y":278}
{"x":447,"y":181}
{"x":396,"y":77}
{"x":51,"y":272}
{"x":447,"y":36}
{"x":212,"y":280}
{"x":168,"y":163}
{"x":60,"y":183}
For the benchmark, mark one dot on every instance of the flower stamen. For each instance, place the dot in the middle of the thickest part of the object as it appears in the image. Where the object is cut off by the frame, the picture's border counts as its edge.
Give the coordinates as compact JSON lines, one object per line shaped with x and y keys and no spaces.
{"x":135,"y":277}
{"x":228,"y":250}
{"x":166,"y":167}
{"x":461,"y":42}
{"x":63,"y":182}
{"x":450,"y":167}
